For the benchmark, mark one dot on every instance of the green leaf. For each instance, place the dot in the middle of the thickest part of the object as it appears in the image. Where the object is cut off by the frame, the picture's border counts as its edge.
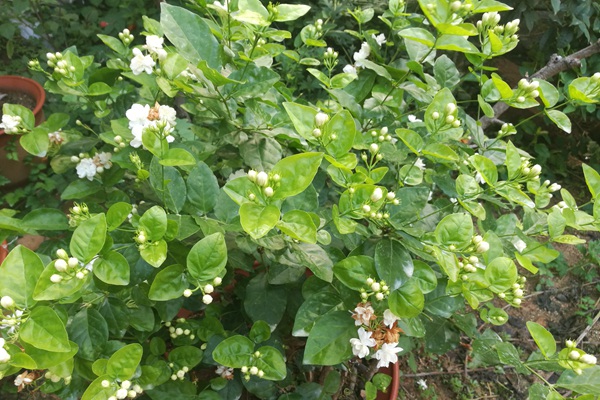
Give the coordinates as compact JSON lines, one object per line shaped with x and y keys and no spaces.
{"x":190,"y":34}
{"x":560,"y":119}
{"x":234,"y":352}
{"x":265,"y":302}
{"x":455,"y":229}
{"x":439,"y":151}
{"x":27,"y":117}
{"x":584,"y":90}
{"x":177,"y":158}
{"x":513,"y":160}
{"x":296,"y":172}
{"x":261,"y":153}
{"x":501,"y":274}
{"x":290,"y":12}
{"x":445,"y":72}
{"x":393,"y":263}
{"x":302,"y":117}
{"x":411,"y":139}
{"x":257,"y":220}
{"x":251,"y":11}
{"x":486,"y":168}
{"x":20,"y":272}
{"x":35,"y":142}
{"x":408,"y":301}
{"x":548,"y":93}
{"x":271,"y":362}
{"x":354,"y":271}
{"x":316,"y":259}
{"x":299,"y":225}
{"x":202,"y":188}
{"x":99,"y":89}
{"x":88,"y":239}
{"x":458,"y":29}
{"x":586,"y":383}
{"x":89,"y":330}
{"x":117,"y":214}
{"x":45,"y":330}
{"x":112,"y":268}
{"x":544,"y":339}
{"x":168,"y":185}
{"x":207,"y":258}
{"x":168,"y":284}
{"x":123,"y":363}
{"x":424,"y":276}
{"x":154,"y":253}
{"x":95,"y":391}
{"x":343,"y":126}
{"x":329,"y":340}
{"x":154,"y":223}
{"x":47,"y":290}
{"x":173,"y":65}
{"x":314,"y":307}
{"x":186,"y":356}
{"x":419,"y":35}
{"x":455,"y":43}
{"x":504,"y":88}
{"x":260,"y":332}
{"x":592,"y":179}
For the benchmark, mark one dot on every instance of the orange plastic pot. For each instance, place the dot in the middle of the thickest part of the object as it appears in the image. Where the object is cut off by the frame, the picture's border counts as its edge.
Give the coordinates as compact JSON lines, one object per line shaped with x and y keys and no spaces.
{"x":3,"y":251}
{"x":15,"y":170}
{"x":392,"y":391}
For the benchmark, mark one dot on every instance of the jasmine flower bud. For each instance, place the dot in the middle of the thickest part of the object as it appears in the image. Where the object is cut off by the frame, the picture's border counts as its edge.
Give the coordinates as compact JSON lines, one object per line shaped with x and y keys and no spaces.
{"x":588,"y":359}
{"x":187,"y":293}
{"x":518,"y":293}
{"x":131,"y":394}
{"x":384,"y":130}
{"x":574,"y":355}
{"x":390,"y":196}
{"x":536,"y":169}
{"x":61,"y":253}
{"x":450,"y":108}
{"x":366,"y":208}
{"x":379,"y":296}
{"x":73,"y":262}
{"x":7,"y":302}
{"x":456,"y":124}
{"x":483,"y":247}
{"x":126,"y":384}
{"x":207,"y":299}
{"x":121,"y":394}
{"x":316,"y":132}
{"x":253,"y":370}
{"x":501,"y":295}
{"x":517,"y":301}
{"x":60,"y":265}
{"x":262,"y":178}
{"x":377,"y":195}
{"x":180,"y":374}
{"x":570,"y":343}
{"x":209,"y":288}
{"x":268,"y":191}
{"x":261,"y":373}
{"x":449,"y":119}
{"x":435,"y":115}
{"x":374,"y":148}
{"x":56,"y":278}
{"x":217,"y":281}
{"x":320,"y":119}
{"x":105,"y":383}
{"x":370,"y":281}
{"x":375,"y":286}
{"x":252,"y":175}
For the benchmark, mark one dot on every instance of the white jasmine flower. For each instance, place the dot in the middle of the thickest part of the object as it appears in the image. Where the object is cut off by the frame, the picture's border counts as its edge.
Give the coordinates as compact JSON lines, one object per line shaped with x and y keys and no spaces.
{"x":520,"y":245}
{"x":389,"y":318}
{"x":224,"y":6}
{"x":141,"y":63}
{"x":362,"y":54}
{"x":320,"y":119}
{"x":55,"y":137}
{"x":588,"y":359}
{"x":380,"y":39}
{"x":86,"y":169}
{"x":121,"y":394}
{"x":422,"y":384}
{"x":102,"y":160}
{"x":7,"y":302}
{"x":4,"y":356}
{"x":413,"y":119}
{"x":349,"y":69}
{"x":10,"y":123}
{"x":262,"y":178}
{"x":154,"y":45}
{"x":420,"y":164}
{"x":387,"y":354}
{"x":360,"y":346}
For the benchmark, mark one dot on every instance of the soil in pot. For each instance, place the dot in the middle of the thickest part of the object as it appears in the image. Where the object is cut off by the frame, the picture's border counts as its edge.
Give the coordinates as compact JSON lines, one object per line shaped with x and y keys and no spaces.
{"x":16,"y":98}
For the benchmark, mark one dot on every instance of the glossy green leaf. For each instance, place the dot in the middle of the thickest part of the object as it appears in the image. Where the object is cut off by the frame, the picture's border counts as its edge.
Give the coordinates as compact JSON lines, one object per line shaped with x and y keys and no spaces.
{"x":544,"y":339}
{"x":168,"y":284}
{"x":455,"y":229}
{"x":123,"y":363}
{"x":154,"y":223}
{"x":407,"y":301}
{"x":259,"y":303}
{"x":560,"y":119}
{"x":355,"y":270}
{"x":117,"y":214}
{"x":177,"y":158}
{"x":486,"y":168}
{"x":314,"y":307}
{"x":297,"y":173}
{"x":586,"y":383}
{"x":20,"y":272}
{"x":234,"y":352}
{"x":393,"y":263}
{"x":88,"y":238}
{"x":207,"y":258}
{"x":257,"y":220}
{"x":299,"y":225}
{"x":272,"y":363}
{"x":501,"y":274}
{"x":45,"y":330}
{"x":155,"y":253}
{"x":89,"y":330}
{"x":186,"y":356}
{"x":329,"y":339}
{"x":112,"y":268}
{"x":592,"y":179}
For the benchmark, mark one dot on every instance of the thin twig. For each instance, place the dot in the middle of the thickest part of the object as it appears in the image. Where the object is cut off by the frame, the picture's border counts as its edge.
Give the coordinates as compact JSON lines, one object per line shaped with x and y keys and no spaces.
{"x":555,"y":65}
{"x":432,"y":373}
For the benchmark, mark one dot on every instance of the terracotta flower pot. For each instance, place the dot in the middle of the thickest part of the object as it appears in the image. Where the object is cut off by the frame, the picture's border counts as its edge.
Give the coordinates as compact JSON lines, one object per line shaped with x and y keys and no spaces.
{"x":392,"y":391}
{"x":3,"y":251}
{"x":15,"y":170}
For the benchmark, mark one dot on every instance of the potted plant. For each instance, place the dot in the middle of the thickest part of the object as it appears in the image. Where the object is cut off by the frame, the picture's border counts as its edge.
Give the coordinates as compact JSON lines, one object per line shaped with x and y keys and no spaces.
{"x":30,"y":94}
{"x":206,"y":158}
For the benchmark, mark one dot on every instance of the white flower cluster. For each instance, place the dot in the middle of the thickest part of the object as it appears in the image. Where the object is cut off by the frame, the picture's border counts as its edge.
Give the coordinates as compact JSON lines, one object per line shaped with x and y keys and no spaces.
{"x":154,"y":45}
{"x":122,"y":391}
{"x":56,"y":378}
{"x":490,"y":22}
{"x":55,"y":138}
{"x":141,"y":63}
{"x":10,"y":321}
{"x":181,"y":329}
{"x":264,"y":181}
{"x":206,"y":290}
{"x":10,"y":123}
{"x":448,"y":115}
{"x":516,"y":293}
{"x":252,"y":369}
{"x":582,"y":359}
{"x":382,"y":336}
{"x":69,"y":267}
{"x":528,"y":171}
{"x":126,"y":36}
{"x":89,"y":167}
{"x":162,"y":119}
{"x":481,"y":246}
{"x":60,"y":65}
{"x":527,"y":90}
{"x":180,"y":373}
{"x":378,"y":289}
{"x":382,"y":135}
